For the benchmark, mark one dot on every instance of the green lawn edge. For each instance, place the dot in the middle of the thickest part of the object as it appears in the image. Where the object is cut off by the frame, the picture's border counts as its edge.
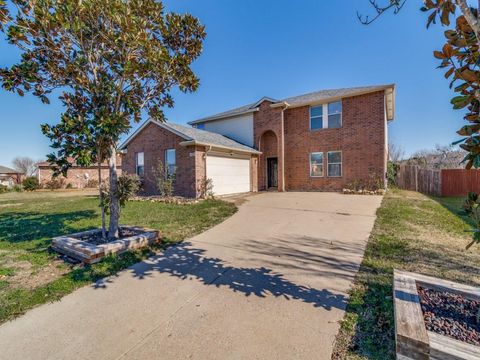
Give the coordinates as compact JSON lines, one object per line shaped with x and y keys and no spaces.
{"x":415,"y":233}
{"x":16,"y":302}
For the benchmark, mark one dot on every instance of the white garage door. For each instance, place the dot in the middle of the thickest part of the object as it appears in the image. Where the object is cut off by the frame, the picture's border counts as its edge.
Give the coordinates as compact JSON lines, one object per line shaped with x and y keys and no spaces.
{"x":229,"y":175}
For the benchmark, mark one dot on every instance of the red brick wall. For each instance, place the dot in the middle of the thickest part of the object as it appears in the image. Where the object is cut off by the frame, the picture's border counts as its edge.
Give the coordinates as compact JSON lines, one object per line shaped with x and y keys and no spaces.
{"x":200,"y":169}
{"x":254,"y":173}
{"x":77,"y":176}
{"x":268,"y":119}
{"x":153,"y":141}
{"x":361,"y":140}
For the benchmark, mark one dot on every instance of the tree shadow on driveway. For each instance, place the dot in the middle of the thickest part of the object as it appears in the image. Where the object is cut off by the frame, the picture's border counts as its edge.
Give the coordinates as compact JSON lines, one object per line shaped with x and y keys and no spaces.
{"x":186,"y":262}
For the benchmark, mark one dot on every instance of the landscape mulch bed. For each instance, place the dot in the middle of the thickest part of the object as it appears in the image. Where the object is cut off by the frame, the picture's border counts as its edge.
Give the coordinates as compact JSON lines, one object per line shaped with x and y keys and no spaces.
{"x":450,"y":314}
{"x":96,"y":237}
{"x":177,"y":200}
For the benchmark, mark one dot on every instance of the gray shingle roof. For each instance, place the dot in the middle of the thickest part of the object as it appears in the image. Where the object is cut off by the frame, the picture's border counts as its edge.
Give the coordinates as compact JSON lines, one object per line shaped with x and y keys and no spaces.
{"x":207,"y":137}
{"x":237,"y":111}
{"x":319,"y":96}
{"x":7,"y":170}
{"x":313,"y":97}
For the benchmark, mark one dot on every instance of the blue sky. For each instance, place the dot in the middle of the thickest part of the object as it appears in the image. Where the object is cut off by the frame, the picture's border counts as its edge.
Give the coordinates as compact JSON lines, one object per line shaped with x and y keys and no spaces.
{"x":281,"y":48}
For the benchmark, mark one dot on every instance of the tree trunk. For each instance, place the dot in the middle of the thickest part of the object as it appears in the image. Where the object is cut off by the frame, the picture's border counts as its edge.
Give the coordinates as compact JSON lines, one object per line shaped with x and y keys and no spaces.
{"x":104,"y":230}
{"x":114,"y":203}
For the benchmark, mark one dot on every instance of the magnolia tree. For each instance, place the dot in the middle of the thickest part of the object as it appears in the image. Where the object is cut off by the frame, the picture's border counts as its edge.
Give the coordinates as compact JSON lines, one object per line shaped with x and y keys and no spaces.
{"x":459,"y":57}
{"x":111,"y":61}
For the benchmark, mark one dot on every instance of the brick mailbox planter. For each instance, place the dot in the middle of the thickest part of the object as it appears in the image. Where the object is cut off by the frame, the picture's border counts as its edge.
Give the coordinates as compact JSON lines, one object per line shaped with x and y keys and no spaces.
{"x":75,"y":245}
{"x":413,"y":340}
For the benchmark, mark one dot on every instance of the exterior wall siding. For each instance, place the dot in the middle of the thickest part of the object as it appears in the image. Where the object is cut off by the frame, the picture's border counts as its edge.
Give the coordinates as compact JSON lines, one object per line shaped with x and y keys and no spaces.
{"x":238,"y":128}
{"x":153,"y":141}
{"x":361,"y":139}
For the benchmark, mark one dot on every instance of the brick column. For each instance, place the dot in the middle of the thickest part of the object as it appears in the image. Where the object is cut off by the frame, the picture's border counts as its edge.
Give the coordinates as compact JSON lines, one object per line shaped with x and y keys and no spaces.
{"x":265,"y":120}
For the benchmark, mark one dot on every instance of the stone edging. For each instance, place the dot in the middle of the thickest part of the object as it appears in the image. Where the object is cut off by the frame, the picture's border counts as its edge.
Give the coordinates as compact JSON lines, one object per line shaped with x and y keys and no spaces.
{"x":88,"y":253}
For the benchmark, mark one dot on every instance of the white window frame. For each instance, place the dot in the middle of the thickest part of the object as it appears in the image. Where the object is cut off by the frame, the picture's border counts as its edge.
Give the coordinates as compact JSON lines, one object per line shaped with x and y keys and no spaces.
{"x":325,"y":115}
{"x":136,"y":162}
{"x":166,"y":161}
{"x":335,"y":163}
{"x":315,"y":117}
{"x":310,"y":161}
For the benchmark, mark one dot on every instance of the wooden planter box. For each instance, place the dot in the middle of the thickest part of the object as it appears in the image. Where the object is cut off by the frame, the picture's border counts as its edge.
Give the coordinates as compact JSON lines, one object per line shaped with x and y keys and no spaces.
{"x":413,"y":340}
{"x":83,"y":251}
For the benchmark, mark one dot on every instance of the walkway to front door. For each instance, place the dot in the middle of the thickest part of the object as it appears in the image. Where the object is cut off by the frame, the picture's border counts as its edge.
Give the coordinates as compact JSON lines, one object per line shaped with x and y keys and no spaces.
{"x":270,"y":282}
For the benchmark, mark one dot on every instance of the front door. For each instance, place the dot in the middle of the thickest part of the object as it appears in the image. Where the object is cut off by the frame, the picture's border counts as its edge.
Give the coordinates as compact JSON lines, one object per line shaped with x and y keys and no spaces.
{"x":272,"y":172}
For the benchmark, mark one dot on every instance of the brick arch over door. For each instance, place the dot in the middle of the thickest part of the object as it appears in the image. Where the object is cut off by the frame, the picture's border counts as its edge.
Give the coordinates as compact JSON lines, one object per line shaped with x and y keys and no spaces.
{"x":268,"y":145}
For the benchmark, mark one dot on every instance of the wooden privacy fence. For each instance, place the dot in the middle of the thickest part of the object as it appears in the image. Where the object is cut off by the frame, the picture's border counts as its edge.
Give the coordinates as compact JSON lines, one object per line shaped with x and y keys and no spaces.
{"x":445,"y":182}
{"x":425,"y":181}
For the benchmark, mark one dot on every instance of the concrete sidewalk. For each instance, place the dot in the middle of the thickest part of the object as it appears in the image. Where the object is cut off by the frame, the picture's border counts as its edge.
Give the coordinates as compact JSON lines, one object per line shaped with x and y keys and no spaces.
{"x":268,"y":283}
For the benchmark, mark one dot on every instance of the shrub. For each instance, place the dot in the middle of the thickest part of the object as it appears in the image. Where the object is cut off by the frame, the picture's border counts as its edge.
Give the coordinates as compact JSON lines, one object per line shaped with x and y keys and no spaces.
{"x":128,"y":186}
{"x":373,"y":183}
{"x":69,"y":186}
{"x":3,"y":189}
{"x":392,"y":173}
{"x":92,"y":183}
{"x":164,"y":182}
{"x":30,"y":183}
{"x":472,"y":209}
{"x":17,"y":188}
{"x":55,"y":183}
{"x":206,"y":188}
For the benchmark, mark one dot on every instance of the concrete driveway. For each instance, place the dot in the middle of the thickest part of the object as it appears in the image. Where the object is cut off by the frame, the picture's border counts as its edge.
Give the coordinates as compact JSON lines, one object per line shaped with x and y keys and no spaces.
{"x":269,"y":283}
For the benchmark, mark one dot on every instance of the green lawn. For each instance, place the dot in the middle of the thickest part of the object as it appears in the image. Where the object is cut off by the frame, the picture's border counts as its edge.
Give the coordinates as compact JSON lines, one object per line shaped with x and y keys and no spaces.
{"x":412,"y":232}
{"x":30,"y":274}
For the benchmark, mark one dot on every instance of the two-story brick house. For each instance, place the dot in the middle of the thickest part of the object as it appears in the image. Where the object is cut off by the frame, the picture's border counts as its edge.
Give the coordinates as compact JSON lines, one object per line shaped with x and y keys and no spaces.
{"x":314,"y":142}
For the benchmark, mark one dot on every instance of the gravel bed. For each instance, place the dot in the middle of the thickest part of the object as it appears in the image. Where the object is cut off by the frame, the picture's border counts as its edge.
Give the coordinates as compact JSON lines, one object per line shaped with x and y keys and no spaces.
{"x":451,"y":315}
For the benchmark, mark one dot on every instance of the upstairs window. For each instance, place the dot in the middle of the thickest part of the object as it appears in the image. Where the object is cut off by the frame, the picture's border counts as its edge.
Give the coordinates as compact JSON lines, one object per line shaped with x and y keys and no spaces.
{"x":201,"y":126}
{"x":140,"y":165}
{"x":334,"y":159}
{"x":316,"y":117}
{"x":335,"y":115}
{"x":316,"y":164}
{"x":170,"y":162}
{"x":326,"y":116}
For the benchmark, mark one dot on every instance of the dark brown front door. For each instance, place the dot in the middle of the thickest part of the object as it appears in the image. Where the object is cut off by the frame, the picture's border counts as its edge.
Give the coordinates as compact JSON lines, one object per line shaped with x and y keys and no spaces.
{"x":272,"y":172}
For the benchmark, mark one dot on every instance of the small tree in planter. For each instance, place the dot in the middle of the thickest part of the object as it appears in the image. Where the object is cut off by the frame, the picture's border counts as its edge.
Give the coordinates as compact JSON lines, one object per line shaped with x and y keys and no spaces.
{"x":128,"y":186}
{"x":112,"y":60}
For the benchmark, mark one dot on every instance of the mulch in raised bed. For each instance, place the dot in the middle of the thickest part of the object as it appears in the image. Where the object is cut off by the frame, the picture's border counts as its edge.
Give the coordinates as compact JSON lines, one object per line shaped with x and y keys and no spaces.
{"x":96,"y":238}
{"x":450,"y":314}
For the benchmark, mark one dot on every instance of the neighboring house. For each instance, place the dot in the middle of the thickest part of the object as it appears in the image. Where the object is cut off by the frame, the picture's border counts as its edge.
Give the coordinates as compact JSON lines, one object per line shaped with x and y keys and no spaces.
{"x":78,"y":176}
{"x":315,"y":142}
{"x":10,"y":177}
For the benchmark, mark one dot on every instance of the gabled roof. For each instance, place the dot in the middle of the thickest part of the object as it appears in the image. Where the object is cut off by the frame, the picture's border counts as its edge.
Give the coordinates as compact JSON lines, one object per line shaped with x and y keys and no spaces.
{"x":195,"y":136}
{"x":328,"y":95}
{"x":316,"y":97}
{"x":7,"y":170}
{"x":246,"y":109}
